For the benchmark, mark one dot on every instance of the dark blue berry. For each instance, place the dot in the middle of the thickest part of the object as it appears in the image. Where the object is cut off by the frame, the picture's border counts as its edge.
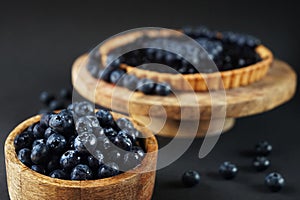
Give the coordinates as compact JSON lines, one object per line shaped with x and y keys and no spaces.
{"x":38,"y":131}
{"x":104,"y":74}
{"x":116,"y":75}
{"x":66,"y":93}
{"x":38,"y":141}
{"x":46,"y":97}
{"x":263,"y":148}
{"x":123,"y":142}
{"x":132,"y":159}
{"x":130,"y":82}
{"x":24,"y":156}
{"x":108,"y":170}
{"x":104,"y":143}
{"x":105,"y":118}
{"x":109,"y":132}
{"x":190,"y":178}
{"x":81,"y":172}
{"x":261,"y":163}
{"x":114,"y":156}
{"x":274,"y":181}
{"x":146,"y":86}
{"x":57,"y":104}
{"x":85,"y":143}
{"x":39,"y":153}
{"x":162,"y":89}
{"x":38,"y":168}
{"x":49,"y":131}
{"x":228,"y":170}
{"x":124,"y":123}
{"x":44,"y":122}
{"x":23,"y":140}
{"x":53,"y":163}
{"x":70,"y":159}
{"x":58,"y":173}
{"x":56,"y":143}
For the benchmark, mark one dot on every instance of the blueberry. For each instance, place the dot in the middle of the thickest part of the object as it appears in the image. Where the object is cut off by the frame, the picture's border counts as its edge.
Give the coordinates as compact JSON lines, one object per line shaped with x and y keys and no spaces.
{"x":114,"y":156}
{"x":53,"y":163}
{"x":49,"y":131}
{"x":261,"y":163}
{"x":109,"y":132}
{"x":103,"y":143}
{"x":62,"y":123}
{"x":38,"y":168}
{"x":146,"y":86}
{"x":38,"y":141}
{"x":116,"y":75}
{"x":81,"y":172}
{"x":162,"y":89}
{"x":123,"y":142}
{"x":38,"y":131}
{"x":105,"y":118}
{"x":39,"y":153}
{"x":190,"y":178}
{"x":104,"y":74}
{"x":23,"y":140}
{"x":66,"y":93}
{"x":108,"y":170}
{"x":70,"y":143}
{"x":124,"y":123}
{"x":263,"y":148}
{"x":130,"y":82}
{"x":46,"y":97}
{"x":24,"y":156}
{"x":58,"y":173}
{"x":44,"y":122}
{"x":85,"y":143}
{"x":83,"y":108}
{"x":132,"y":159}
{"x":228,"y":170}
{"x":56,"y":104}
{"x":56,"y":143}
{"x":274,"y":181}
{"x":93,"y":162}
{"x":131,"y":134}
{"x":70,"y":159}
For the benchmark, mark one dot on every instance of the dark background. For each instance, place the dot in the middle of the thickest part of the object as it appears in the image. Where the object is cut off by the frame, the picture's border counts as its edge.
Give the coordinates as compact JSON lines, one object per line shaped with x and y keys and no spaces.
{"x":39,"y":41}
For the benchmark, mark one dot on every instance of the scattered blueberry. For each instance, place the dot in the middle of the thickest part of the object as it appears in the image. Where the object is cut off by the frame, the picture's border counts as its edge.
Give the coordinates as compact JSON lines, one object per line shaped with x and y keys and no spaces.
{"x":162,"y":89}
{"x":46,"y":97}
{"x":261,"y":163}
{"x":116,"y":75}
{"x":274,"y":181}
{"x":228,"y":170}
{"x":56,"y":104}
{"x":190,"y":178}
{"x":263,"y":148}
{"x":146,"y":86}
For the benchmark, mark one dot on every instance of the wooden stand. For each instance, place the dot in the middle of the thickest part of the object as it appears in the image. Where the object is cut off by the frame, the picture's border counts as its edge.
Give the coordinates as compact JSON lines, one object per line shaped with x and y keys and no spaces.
{"x":277,"y":87}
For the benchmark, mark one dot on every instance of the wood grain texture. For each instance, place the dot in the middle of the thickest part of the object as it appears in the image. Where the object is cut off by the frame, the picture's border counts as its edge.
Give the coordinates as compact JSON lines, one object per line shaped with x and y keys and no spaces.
{"x":171,"y":127}
{"x":25,"y":184}
{"x":277,"y":87}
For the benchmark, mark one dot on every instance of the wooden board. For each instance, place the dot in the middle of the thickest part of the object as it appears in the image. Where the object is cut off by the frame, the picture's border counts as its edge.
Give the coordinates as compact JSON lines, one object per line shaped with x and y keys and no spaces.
{"x":273,"y":90}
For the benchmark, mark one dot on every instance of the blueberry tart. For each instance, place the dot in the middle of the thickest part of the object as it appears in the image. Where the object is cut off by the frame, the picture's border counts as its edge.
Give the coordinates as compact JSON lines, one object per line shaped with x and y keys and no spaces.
{"x":239,"y":59}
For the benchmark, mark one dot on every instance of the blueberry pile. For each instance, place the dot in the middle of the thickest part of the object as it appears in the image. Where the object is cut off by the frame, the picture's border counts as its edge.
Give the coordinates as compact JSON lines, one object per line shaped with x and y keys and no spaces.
{"x":227,"y":170}
{"x":79,"y":144}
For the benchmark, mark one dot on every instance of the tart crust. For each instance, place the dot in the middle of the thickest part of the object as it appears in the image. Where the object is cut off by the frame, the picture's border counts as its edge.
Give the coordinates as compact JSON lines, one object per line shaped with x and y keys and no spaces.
{"x":198,"y":81}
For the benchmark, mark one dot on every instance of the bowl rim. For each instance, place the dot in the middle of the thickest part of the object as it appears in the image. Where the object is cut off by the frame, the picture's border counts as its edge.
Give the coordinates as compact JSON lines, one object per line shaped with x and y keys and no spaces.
{"x":148,"y":163}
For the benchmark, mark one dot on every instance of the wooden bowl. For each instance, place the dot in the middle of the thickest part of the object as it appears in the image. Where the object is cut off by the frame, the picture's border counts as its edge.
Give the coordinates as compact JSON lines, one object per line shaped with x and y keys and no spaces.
{"x":24,"y":183}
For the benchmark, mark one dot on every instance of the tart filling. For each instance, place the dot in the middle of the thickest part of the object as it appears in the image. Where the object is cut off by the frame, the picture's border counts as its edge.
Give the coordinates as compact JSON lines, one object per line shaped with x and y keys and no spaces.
{"x":228,"y":60}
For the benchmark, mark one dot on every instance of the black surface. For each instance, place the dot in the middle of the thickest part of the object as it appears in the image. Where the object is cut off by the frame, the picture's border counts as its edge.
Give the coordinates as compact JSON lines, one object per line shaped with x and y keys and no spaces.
{"x":39,"y":42}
